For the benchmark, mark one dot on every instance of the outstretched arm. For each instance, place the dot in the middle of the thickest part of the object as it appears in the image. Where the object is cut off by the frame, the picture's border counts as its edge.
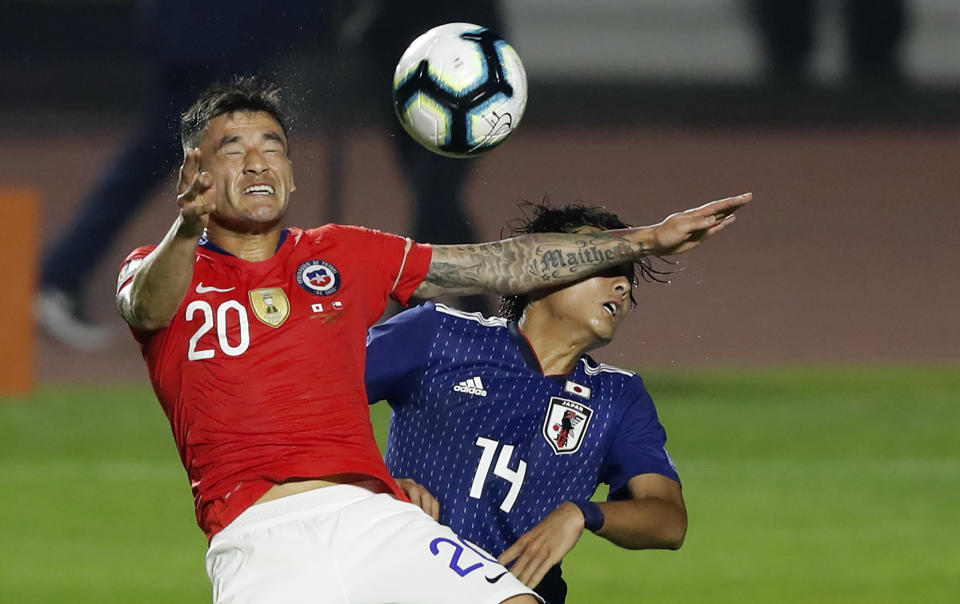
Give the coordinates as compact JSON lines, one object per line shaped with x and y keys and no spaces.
{"x":152,"y":299}
{"x":528,"y":262}
{"x":653,"y":518}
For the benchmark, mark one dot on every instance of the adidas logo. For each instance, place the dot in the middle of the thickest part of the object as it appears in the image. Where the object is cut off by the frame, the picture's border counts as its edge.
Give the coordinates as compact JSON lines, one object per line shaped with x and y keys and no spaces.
{"x":471,"y":386}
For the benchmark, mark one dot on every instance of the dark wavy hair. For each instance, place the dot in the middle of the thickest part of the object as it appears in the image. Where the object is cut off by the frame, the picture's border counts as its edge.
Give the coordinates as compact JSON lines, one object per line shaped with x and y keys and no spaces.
{"x":243,"y":93}
{"x":541,"y":218}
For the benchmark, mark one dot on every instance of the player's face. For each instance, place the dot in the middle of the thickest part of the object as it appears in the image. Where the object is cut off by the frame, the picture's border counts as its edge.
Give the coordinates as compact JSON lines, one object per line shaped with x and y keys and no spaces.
{"x":246,"y":153}
{"x":594,"y":307}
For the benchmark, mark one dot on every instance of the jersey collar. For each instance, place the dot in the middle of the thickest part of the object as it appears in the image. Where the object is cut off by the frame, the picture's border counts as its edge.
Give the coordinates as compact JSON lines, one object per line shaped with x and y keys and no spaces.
{"x":527,"y":353}
{"x":213,"y":247}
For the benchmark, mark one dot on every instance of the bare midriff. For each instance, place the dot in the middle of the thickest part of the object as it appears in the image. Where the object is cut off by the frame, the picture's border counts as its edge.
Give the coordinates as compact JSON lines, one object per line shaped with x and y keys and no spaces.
{"x":293,"y":487}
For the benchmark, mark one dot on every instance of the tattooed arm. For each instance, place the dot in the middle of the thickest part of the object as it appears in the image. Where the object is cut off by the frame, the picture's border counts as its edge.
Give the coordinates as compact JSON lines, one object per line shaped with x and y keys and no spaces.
{"x":528,"y":262}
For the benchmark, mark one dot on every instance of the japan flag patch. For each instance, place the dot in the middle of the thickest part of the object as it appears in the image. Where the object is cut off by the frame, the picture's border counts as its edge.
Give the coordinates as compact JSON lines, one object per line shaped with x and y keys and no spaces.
{"x":565,"y":425}
{"x":578,"y":389}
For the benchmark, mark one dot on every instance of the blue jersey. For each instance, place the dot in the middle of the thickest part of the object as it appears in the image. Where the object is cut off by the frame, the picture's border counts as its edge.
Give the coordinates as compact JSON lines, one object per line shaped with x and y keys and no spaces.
{"x":498,"y":443}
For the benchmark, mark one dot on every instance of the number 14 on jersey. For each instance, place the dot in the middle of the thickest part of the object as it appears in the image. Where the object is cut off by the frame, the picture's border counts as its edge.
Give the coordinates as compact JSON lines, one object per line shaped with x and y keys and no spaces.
{"x":502,"y":469}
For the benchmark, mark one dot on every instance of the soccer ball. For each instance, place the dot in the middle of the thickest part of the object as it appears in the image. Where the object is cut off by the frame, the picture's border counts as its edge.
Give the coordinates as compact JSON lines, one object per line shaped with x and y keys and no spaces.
{"x":459,"y":89}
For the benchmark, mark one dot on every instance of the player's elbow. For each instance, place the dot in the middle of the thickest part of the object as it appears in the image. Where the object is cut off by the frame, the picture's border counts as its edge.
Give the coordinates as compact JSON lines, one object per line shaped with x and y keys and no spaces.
{"x":674,"y":539}
{"x":666,"y":533}
{"x":676,"y":532}
{"x":144,"y":316}
{"x":671,"y":532}
{"x":665,"y":536}
{"x":150,"y":324}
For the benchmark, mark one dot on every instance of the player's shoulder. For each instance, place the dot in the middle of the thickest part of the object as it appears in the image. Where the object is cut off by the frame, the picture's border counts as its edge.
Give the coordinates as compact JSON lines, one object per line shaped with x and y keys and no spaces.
{"x":626,"y":388}
{"x":334,"y":231}
{"x":138,"y":254}
{"x":354,"y":242}
{"x":307,"y":237}
{"x":449,"y":318}
{"x":468,"y":320}
{"x":131,"y":264}
{"x":437,"y":323}
{"x":593,"y":367}
{"x":610,"y":376}
{"x":419,"y":315}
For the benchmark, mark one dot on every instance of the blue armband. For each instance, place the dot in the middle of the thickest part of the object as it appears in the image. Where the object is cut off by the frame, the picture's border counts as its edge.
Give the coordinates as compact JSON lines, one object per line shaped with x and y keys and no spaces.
{"x":592,"y":515}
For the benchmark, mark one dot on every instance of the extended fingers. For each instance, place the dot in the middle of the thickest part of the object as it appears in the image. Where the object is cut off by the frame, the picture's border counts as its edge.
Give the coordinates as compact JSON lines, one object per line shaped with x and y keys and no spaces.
{"x":430,"y":505}
{"x":536,"y":575}
{"x":531,"y":564}
{"x":196,"y":201}
{"x":201,"y":182}
{"x":695,"y":237}
{"x":193,"y":184}
{"x":722,"y":224}
{"x":713,"y":226}
{"x":521,"y":569}
{"x":510,"y":554}
{"x":188,"y":171}
{"x":716,"y":215}
{"x":724,"y":207}
{"x":421,"y":497}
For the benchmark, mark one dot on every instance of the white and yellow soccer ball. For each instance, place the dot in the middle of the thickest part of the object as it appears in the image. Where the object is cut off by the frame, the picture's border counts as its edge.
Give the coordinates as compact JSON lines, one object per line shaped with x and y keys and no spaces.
{"x":460,"y":89}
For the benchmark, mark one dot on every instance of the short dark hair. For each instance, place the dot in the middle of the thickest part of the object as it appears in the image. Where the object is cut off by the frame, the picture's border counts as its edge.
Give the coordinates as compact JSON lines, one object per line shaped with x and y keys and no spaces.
{"x":541,"y":218}
{"x":243,"y":93}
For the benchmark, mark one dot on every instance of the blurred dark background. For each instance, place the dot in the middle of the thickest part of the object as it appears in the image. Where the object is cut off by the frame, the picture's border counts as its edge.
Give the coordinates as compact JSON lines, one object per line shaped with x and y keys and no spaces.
{"x":688,"y":62}
{"x":848,"y":255}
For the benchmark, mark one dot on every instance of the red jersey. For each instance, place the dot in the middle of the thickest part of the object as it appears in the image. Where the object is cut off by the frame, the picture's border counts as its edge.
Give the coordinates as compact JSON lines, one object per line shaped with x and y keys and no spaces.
{"x":261,"y":370}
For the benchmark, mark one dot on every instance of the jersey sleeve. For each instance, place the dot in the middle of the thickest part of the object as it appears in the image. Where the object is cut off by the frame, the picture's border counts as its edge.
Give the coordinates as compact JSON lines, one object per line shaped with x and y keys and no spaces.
{"x":401,"y":263}
{"x":128,"y":270}
{"x":131,"y":264}
{"x":404,"y":262}
{"x":411,"y":270}
{"x":639,"y":445}
{"x":396,"y":353}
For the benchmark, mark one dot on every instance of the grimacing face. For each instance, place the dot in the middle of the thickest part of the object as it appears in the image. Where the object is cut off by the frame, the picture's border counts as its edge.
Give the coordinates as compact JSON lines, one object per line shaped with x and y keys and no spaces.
{"x":246,"y":154}
{"x":594,"y":306}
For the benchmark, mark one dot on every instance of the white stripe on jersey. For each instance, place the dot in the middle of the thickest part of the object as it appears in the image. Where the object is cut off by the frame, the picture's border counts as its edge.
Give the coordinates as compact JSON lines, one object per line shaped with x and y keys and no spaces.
{"x":604,"y":368}
{"x":473,"y":316}
{"x":403,"y":263}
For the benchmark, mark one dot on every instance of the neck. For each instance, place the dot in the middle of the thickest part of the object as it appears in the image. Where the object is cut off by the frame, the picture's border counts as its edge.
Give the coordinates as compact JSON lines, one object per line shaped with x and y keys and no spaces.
{"x":557,"y":348}
{"x":253,"y":247}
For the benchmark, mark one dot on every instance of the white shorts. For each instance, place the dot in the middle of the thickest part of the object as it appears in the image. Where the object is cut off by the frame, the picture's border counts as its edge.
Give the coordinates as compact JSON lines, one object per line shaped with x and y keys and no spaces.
{"x":346,"y":544}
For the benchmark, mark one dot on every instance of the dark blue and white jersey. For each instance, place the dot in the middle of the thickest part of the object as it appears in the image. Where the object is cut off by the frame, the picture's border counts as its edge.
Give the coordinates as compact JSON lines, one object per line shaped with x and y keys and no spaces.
{"x":498,"y":443}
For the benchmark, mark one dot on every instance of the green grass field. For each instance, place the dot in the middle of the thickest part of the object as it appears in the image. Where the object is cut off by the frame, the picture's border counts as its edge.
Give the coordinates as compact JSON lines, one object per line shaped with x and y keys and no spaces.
{"x":803,"y":485}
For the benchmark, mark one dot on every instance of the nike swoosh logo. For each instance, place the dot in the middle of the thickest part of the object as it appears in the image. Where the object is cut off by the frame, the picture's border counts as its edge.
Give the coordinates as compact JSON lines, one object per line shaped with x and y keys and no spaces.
{"x":205,"y":290}
{"x":497,"y":578}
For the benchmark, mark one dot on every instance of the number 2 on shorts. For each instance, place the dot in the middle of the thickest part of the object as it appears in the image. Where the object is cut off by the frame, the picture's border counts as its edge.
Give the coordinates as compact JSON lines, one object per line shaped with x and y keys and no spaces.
{"x":455,"y":558}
